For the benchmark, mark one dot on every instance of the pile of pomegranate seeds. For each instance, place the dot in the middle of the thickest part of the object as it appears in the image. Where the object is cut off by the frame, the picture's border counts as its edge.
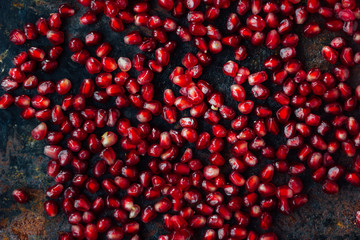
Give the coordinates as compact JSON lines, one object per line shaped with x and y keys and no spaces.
{"x":216,"y":197}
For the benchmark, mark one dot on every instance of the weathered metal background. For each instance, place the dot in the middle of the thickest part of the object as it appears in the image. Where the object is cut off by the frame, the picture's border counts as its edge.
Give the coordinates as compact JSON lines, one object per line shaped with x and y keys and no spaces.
{"x":22,"y":163}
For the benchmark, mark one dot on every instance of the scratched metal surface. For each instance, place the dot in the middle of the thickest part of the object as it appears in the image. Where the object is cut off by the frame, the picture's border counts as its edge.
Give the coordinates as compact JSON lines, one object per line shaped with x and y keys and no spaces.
{"x":22,"y":163}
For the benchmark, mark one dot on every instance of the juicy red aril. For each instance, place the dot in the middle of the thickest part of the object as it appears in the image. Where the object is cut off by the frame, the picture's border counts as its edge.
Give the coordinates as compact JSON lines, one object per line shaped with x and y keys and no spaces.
{"x":93,"y":38}
{"x":88,"y":18}
{"x":66,"y":10}
{"x":75,"y":44}
{"x":17,"y":37}
{"x":30,"y":31}
{"x":55,"y":37}
{"x":255,"y":23}
{"x":20,"y":196}
{"x":330,"y":54}
{"x":42,"y":26}
{"x":93,"y":66}
{"x":51,"y":208}
{"x":311,"y":30}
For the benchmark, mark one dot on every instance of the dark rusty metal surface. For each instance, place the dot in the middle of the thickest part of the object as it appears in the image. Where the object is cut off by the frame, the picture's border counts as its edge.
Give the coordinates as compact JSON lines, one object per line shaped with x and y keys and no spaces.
{"x":22,"y":163}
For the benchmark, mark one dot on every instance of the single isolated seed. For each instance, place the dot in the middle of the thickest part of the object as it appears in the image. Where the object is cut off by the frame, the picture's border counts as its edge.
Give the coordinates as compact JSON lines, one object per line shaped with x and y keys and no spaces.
{"x":20,"y":196}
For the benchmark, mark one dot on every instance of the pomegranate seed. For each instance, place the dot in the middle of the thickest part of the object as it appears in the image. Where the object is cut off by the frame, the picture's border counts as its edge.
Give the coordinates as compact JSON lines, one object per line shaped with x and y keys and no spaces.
{"x":166,"y":4}
{"x":30,"y":31}
{"x":311,"y":30}
{"x":42,"y":26}
{"x":51,"y":208}
{"x":88,"y":18}
{"x":20,"y":196}
{"x":17,"y":37}
{"x":115,"y":233}
{"x":330,"y":187}
{"x":330,"y":54}
{"x":5,"y":101}
{"x":66,"y":10}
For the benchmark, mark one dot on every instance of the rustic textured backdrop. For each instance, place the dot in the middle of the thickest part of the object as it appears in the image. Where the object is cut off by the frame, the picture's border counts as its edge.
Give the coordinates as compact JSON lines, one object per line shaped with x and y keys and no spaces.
{"x":22,"y":163}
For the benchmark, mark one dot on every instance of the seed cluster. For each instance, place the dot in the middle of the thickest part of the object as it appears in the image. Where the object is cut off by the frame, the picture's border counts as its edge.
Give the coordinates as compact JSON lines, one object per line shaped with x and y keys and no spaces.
{"x":213,"y":198}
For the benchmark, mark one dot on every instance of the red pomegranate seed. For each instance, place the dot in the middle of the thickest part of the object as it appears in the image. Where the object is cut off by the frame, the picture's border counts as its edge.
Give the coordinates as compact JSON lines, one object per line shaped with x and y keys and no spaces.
{"x":17,"y":37}
{"x":272,"y":39}
{"x":20,"y":196}
{"x":75,"y":44}
{"x":88,"y":18}
{"x":311,"y":30}
{"x":66,"y":10}
{"x":166,"y":4}
{"x":330,"y":187}
{"x":42,"y":26}
{"x":330,"y":54}
{"x":51,"y":208}
{"x":30,"y":31}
